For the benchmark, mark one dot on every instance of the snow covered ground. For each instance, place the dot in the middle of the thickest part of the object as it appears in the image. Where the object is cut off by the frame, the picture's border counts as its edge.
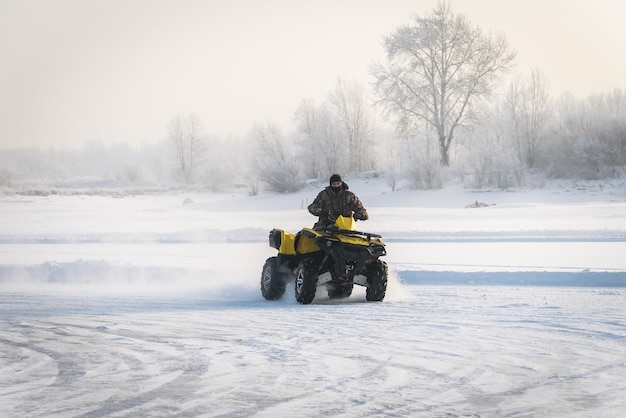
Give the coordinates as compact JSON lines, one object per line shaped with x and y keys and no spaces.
{"x":149,"y":305}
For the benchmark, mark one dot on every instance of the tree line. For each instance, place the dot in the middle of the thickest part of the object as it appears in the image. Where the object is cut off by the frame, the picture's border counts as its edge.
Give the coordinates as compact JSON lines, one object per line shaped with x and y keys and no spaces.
{"x":443,"y":104}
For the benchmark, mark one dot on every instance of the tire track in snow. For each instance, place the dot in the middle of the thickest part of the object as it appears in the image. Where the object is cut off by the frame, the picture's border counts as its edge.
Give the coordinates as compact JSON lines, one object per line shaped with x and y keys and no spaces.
{"x":444,"y":351}
{"x":89,"y":360}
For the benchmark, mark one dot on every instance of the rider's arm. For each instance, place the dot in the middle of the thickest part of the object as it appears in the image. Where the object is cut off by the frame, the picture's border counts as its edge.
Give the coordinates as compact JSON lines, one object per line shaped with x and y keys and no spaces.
{"x":316,"y":208}
{"x":359,"y":209}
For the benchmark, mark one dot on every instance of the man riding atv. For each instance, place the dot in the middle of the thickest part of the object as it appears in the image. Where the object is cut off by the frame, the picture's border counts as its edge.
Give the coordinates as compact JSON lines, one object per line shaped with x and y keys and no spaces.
{"x":332,"y":253}
{"x":336,"y":200}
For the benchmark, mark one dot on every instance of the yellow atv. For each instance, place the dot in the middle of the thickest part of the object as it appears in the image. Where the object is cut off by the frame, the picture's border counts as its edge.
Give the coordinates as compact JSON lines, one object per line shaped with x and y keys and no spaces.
{"x":337,"y":256}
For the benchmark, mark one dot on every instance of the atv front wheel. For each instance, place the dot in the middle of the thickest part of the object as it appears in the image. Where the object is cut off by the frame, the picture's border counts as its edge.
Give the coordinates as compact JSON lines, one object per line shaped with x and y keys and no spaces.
{"x":306,"y":282}
{"x":377,"y":274}
{"x":272,"y":282}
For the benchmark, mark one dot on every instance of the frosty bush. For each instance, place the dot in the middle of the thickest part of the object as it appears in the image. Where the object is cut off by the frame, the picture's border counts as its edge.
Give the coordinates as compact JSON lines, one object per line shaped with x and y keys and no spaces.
{"x":427,"y":173}
{"x":5,"y":177}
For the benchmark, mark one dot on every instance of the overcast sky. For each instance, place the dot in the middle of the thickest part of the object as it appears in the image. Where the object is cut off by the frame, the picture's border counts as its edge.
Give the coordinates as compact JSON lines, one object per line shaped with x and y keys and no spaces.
{"x":119,"y":70}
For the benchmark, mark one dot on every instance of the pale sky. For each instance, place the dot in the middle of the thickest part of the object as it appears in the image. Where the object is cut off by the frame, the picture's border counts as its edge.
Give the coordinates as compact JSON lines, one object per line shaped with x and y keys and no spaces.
{"x":72,"y":71}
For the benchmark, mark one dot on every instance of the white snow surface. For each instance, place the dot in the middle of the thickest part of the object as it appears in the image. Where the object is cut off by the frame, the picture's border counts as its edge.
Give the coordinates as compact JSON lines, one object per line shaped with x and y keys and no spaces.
{"x":149,"y":305}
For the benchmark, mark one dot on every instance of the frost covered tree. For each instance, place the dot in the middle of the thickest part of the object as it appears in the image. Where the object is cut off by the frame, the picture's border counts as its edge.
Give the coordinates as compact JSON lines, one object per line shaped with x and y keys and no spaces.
{"x":225,"y":166}
{"x":589,"y":141}
{"x":322,"y":146}
{"x":424,"y":168}
{"x":355,"y":122}
{"x":307,"y":122}
{"x":274,"y":160}
{"x":609,"y":125}
{"x":529,"y":110}
{"x":188,"y":144}
{"x":488,"y":157}
{"x":338,"y":135}
{"x":437,"y":66}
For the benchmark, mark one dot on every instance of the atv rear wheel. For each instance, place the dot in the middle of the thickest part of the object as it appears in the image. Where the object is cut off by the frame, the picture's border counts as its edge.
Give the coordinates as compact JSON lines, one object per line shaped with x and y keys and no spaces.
{"x":306,"y":282}
{"x":339,"y":291}
{"x":377,"y":274}
{"x":272,"y":282}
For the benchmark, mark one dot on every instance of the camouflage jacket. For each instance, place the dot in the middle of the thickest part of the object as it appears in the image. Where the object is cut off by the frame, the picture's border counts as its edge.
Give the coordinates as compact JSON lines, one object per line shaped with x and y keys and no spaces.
{"x":329,"y":204}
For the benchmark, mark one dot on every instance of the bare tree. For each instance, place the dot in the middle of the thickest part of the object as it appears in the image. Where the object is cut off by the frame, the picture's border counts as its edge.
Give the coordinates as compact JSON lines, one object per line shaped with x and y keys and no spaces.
{"x":529,"y":108}
{"x":322,"y":144}
{"x":437,"y":66}
{"x":224,"y":167}
{"x":489,"y":157}
{"x":354,"y":119}
{"x":185,"y":136}
{"x":274,"y":160}
{"x":306,"y":118}
{"x":424,"y":171}
{"x":338,"y":136}
{"x":333,"y":152}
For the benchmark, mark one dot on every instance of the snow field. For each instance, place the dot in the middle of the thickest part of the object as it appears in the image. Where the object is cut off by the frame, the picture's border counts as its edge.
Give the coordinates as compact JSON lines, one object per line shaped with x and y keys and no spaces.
{"x":145,"y":306}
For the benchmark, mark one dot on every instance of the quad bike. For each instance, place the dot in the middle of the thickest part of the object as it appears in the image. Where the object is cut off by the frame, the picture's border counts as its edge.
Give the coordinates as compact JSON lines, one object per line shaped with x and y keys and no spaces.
{"x":336,"y":256}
